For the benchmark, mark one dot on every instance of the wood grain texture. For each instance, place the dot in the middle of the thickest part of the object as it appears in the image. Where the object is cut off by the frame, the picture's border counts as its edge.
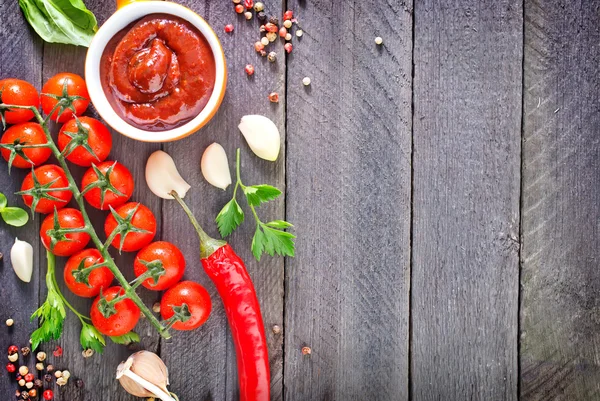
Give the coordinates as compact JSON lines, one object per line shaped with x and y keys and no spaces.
{"x":208,"y":354}
{"x":467,"y":100}
{"x":348,"y":182}
{"x":18,"y":299}
{"x":560,"y":307}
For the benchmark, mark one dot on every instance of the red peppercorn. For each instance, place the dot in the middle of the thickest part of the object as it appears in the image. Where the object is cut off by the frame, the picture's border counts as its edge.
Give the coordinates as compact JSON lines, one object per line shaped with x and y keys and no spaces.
{"x":288,"y":15}
{"x":248,"y":4}
{"x":48,"y":395}
{"x":11,"y":368}
{"x":282,"y":32}
{"x":259,"y":46}
{"x":288,"y":47}
{"x":58,"y":351}
{"x":249,"y":69}
{"x":29,"y":377}
{"x":13,"y":349}
{"x":239,"y":9}
{"x":228,"y":28}
{"x":270,"y":27}
{"x":274,"y":97}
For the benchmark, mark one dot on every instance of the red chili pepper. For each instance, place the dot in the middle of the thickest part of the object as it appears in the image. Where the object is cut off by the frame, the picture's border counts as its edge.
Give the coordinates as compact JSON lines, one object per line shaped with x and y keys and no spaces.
{"x":229,"y":274}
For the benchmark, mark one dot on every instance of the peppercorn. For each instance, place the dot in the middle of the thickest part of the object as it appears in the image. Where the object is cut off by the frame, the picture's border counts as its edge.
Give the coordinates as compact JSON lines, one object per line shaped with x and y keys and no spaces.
{"x":48,"y":378}
{"x":10,"y":368}
{"x":271,"y":36}
{"x":248,"y":15}
{"x":29,"y":377}
{"x":40,"y":356}
{"x":272,"y":57}
{"x":66,"y":374}
{"x":29,"y":385}
{"x":288,"y":36}
{"x":25,"y":395}
{"x":276,"y":329}
{"x":239,"y":9}
{"x":274,"y":97}
{"x":58,"y":351}
{"x":299,"y":33}
{"x":17,"y":394}
{"x":87,"y":353}
{"x":25,"y":351}
{"x":306,"y":351}
{"x":258,"y":46}
{"x":13,"y":349}
{"x":21,"y":382}
{"x":282,"y":32}
{"x":378,"y":40}
{"x":9,"y":322}
{"x":237,"y":1}
{"x":39,"y":366}
{"x":61,"y":381}
{"x":287,"y":23}
{"x":23,"y":370}
{"x":306,"y":81}
{"x":274,"y":20}
{"x":38,"y":383}
{"x":258,"y":6}
{"x":249,"y":69}
{"x":262,"y":17}
{"x":13,"y":357}
{"x":156,"y":307}
{"x":228,"y":28}
{"x":248,"y":4}
{"x":263,"y":53}
{"x":18,"y":377}
{"x":288,"y":47}
{"x":48,"y":395}
{"x":264,"y":41}
{"x":288,"y":15}
{"x":270,"y":27}
{"x":32,"y":393}
{"x":58,"y":374}
{"x":79,"y":383}
{"x":49,"y":368}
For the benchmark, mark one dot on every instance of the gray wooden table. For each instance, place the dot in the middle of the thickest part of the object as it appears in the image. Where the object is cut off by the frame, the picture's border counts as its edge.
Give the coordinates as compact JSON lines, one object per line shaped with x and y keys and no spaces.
{"x":445,"y":192}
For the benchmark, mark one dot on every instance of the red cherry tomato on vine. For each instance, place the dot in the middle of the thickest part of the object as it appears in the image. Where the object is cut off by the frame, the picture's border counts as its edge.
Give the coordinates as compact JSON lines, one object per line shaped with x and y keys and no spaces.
{"x":172,"y":260}
{"x":45,"y":175}
{"x":99,"y":140}
{"x":26,"y":134}
{"x":119,"y":177}
{"x":197,"y":299}
{"x":74,"y":242}
{"x":121,"y":322}
{"x":55,"y":86}
{"x":99,"y":278}
{"x":20,"y":93}
{"x":142,"y":219}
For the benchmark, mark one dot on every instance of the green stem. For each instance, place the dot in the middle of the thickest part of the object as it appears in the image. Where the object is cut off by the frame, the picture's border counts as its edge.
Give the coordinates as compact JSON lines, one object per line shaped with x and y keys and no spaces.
{"x":109,"y":262}
{"x":51,"y":275}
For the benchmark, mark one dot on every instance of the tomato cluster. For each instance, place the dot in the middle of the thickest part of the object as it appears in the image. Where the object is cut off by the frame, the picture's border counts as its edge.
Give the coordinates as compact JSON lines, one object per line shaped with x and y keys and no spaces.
{"x":87,"y":142}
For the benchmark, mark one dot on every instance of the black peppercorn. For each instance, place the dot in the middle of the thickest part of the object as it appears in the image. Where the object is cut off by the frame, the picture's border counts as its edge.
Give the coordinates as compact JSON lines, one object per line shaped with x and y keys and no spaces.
{"x":274,"y":20}
{"x":38,"y":383}
{"x":48,"y":377}
{"x":25,"y":351}
{"x":261,"y":16}
{"x":79,"y":383}
{"x":25,"y":395}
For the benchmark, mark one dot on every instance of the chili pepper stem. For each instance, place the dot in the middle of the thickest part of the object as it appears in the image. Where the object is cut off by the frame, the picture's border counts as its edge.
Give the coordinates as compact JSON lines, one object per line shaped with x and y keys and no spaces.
{"x":103,"y":248}
{"x":208,"y":245}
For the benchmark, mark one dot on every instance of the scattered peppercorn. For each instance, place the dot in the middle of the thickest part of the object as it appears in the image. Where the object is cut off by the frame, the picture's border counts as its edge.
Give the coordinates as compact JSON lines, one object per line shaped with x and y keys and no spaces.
{"x":237,"y":1}
{"x":23,"y":370}
{"x":22,"y":382}
{"x":306,"y":351}
{"x":239,"y":9}
{"x":9,"y":322}
{"x":274,"y":97}
{"x":306,"y":81}
{"x":248,"y":4}
{"x":13,"y":349}
{"x":299,"y":33}
{"x":87,"y":353}
{"x":270,"y":27}
{"x":25,"y":351}
{"x":41,"y":356}
{"x":263,"y":53}
{"x":248,"y":15}
{"x":288,"y":47}
{"x":287,"y":23}
{"x":272,"y":57}
{"x":258,"y":6}
{"x":29,"y":385}
{"x":271,"y":36}
{"x":262,"y":17}
{"x":58,"y":374}
{"x":50,"y":368}
{"x":274,"y":20}
{"x":38,"y":383}
{"x":288,"y":36}
{"x":29,"y":377}
{"x":156,"y":307}
{"x":48,"y":395}
{"x":10,"y":368}
{"x":32,"y":393}
{"x":378,"y":40}
{"x":264,"y":41}
{"x":58,"y":351}
{"x":262,"y":29}
{"x":25,"y":395}
{"x":17,"y":394}
{"x":79,"y":383}
{"x":258,"y":46}
{"x":249,"y":69}
{"x":229,"y":28}
{"x":276,"y":329}
{"x":13,"y":357}
{"x":39,"y":366}
{"x":48,"y":377}
{"x":61,"y":381}
{"x":66,"y":374}
{"x":282,"y":32}
{"x":288,"y":15}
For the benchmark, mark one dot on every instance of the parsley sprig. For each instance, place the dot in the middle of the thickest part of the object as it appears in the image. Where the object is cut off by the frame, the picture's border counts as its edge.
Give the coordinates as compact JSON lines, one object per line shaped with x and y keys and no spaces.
{"x":269,"y":237}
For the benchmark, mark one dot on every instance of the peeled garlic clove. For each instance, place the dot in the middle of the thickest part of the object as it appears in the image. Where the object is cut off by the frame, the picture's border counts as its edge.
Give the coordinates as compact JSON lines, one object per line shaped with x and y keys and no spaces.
{"x":144,"y":374}
{"x":215,"y":167}
{"x":21,"y":258}
{"x":262,"y":136}
{"x":162,"y":176}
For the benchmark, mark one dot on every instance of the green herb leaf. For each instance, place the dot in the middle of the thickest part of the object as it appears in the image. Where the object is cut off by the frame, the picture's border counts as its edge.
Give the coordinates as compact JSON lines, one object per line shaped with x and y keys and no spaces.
{"x":51,"y":314}
{"x":280,"y":224}
{"x":3,"y":201}
{"x":258,"y":243}
{"x":91,"y":338}
{"x":15,"y":216}
{"x":257,"y":194}
{"x":61,"y":21}
{"x":272,"y":241}
{"x":229,"y":218}
{"x":128,"y":338}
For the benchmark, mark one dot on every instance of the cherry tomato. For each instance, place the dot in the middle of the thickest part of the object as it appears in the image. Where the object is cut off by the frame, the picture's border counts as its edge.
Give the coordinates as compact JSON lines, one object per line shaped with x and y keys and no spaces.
{"x":143,"y":219}
{"x":121,"y":322}
{"x":26,"y":134}
{"x":99,"y":278}
{"x":172,"y":260}
{"x":21,"y":93}
{"x":99,"y":140}
{"x":197,"y":299}
{"x":120,"y":178}
{"x":67,"y":218}
{"x":55,"y":86}
{"x":45,"y":175}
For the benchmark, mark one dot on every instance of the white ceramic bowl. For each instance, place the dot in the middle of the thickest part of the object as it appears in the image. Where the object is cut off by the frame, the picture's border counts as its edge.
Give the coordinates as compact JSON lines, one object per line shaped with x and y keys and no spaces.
{"x":125,"y":15}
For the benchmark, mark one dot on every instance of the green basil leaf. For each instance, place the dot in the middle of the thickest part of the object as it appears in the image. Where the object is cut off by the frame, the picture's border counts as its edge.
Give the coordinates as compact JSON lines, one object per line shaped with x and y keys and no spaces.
{"x":15,"y":216}
{"x":61,"y":21}
{"x":3,"y":201}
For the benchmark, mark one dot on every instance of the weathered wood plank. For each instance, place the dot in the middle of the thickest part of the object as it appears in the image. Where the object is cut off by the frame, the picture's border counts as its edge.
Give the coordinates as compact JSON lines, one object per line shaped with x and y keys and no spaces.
{"x":561,"y":177}
{"x":215,"y":377}
{"x":348,"y":193}
{"x":467,"y":116}
{"x":21,"y":58}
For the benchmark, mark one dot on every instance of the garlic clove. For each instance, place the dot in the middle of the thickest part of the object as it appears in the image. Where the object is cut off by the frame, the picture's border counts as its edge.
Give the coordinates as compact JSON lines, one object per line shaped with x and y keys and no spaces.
{"x":214,"y":166}
{"x":144,"y":374}
{"x":262,"y":136}
{"x":21,"y":258}
{"x":162,"y":176}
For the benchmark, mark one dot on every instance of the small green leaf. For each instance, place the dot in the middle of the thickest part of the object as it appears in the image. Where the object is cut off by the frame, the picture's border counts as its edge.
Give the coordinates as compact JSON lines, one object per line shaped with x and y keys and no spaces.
{"x":257,"y":194}
{"x":280,"y":224}
{"x":91,"y":338}
{"x":258,"y":243}
{"x":3,"y":201}
{"x":272,"y":241}
{"x":229,"y":218}
{"x":15,"y":216}
{"x":128,"y":338}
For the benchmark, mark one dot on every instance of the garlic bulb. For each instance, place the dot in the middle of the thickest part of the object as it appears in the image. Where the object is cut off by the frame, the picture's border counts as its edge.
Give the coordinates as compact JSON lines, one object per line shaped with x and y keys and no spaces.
{"x":162,"y":176}
{"x":214,"y":166}
{"x":21,"y":258}
{"x":262,"y":136}
{"x":144,"y":374}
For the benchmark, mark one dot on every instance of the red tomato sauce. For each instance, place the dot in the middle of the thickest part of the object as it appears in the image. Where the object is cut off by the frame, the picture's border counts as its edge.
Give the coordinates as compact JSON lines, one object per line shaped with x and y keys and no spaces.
{"x":158,"y":73}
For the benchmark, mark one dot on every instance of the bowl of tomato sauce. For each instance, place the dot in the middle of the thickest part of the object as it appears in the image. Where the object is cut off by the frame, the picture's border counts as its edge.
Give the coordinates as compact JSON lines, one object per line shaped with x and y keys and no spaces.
{"x":155,"y":71}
